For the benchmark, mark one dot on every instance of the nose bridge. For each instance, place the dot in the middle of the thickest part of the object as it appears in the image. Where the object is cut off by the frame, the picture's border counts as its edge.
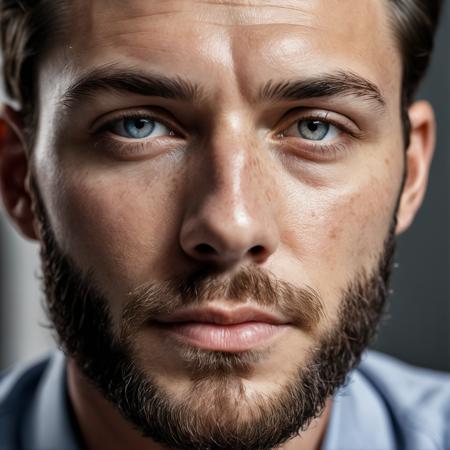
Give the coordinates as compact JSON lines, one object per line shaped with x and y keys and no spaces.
{"x":230,"y":215}
{"x":233,"y":164}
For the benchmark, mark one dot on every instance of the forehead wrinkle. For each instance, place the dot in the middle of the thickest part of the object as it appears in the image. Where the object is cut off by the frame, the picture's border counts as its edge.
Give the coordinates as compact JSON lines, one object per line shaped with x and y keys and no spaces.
{"x":258,"y":6}
{"x":225,"y":13}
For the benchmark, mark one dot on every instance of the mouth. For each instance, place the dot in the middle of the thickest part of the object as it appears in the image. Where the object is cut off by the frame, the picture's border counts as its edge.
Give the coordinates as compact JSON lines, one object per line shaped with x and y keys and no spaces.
{"x":222,"y":329}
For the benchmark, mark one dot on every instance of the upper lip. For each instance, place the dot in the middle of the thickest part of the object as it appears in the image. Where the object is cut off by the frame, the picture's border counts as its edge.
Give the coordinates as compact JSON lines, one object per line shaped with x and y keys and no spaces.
{"x":223,"y":316}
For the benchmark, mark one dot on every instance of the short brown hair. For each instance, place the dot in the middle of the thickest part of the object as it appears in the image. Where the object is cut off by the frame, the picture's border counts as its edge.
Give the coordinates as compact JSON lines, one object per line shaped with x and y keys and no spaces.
{"x":26,"y":27}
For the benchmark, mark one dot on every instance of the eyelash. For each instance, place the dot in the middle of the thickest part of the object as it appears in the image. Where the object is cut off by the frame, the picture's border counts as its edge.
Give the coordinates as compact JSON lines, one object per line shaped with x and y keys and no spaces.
{"x":133,"y":116}
{"x":309,"y":149}
{"x":116,"y":145}
{"x":314,"y":150}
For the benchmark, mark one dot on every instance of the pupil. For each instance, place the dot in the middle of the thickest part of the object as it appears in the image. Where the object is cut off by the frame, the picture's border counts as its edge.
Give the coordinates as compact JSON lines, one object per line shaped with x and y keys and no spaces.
{"x":313,"y":125}
{"x":140,"y":123}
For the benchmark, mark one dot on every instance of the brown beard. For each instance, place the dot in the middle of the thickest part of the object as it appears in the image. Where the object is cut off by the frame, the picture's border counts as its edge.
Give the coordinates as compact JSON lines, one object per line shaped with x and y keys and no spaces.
{"x":222,"y":417}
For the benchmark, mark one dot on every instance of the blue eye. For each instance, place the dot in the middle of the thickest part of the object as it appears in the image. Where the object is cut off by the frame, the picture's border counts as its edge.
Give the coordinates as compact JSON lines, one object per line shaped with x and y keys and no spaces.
{"x":316,"y":130}
{"x":313,"y":130}
{"x":139,"y":127}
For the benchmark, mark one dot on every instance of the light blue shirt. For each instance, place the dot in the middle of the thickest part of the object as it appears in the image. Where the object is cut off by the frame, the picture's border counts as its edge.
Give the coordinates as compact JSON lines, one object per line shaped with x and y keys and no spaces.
{"x":386,"y":405}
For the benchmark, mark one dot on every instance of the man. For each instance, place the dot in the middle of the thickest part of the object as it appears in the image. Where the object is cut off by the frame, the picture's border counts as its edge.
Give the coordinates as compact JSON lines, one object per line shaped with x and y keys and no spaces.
{"x":216,"y":187}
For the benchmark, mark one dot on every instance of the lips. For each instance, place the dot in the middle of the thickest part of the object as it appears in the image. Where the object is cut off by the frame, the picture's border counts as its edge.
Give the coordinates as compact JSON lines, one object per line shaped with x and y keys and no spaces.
{"x":220,"y":329}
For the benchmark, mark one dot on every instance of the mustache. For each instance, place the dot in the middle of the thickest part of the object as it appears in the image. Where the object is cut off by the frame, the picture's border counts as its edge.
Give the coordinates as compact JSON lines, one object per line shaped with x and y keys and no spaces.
{"x":303,"y":306}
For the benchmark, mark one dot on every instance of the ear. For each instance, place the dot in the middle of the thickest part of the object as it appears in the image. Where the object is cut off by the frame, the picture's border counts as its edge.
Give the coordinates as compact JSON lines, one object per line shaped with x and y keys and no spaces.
{"x":418,"y":161}
{"x":14,"y":169}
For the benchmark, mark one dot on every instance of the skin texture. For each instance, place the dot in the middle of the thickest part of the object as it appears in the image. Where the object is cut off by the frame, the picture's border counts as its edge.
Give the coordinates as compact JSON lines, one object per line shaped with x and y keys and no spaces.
{"x":234,"y":176}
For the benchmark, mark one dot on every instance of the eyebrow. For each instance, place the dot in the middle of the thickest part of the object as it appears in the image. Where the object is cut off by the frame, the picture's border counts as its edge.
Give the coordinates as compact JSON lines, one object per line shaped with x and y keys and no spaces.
{"x":121,"y":81}
{"x":129,"y":81}
{"x":324,"y":85}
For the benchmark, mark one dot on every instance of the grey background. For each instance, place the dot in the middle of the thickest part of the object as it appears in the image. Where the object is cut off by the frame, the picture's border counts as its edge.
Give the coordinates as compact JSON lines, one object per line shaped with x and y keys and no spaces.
{"x":418,"y":330}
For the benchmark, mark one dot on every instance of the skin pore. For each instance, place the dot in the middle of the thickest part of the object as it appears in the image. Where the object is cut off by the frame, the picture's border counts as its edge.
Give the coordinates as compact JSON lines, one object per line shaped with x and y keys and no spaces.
{"x":228,"y":178}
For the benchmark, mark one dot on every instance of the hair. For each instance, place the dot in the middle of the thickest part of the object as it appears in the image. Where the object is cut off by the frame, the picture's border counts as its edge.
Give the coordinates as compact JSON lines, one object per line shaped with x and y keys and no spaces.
{"x":26,"y":28}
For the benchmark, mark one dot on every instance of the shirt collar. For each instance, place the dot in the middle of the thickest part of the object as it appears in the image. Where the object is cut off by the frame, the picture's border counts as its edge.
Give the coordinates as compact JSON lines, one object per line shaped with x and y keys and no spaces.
{"x":48,"y":425}
{"x":359,"y":416}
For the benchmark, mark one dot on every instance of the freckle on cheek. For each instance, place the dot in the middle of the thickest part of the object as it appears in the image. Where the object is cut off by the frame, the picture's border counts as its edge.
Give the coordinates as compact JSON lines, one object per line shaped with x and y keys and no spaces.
{"x":333,"y":234}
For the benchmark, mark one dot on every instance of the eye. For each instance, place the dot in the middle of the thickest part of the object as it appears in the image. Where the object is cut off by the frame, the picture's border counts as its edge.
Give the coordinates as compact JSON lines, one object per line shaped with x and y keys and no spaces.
{"x":312,"y":130}
{"x":139,"y":127}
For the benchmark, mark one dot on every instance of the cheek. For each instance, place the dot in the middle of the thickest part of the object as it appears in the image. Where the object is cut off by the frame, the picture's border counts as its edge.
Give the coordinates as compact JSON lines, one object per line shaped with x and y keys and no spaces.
{"x":338,"y":231}
{"x":117,"y":222}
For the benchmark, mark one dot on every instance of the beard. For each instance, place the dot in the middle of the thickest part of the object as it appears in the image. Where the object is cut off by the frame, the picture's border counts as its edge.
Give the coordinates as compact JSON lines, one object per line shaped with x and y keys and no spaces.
{"x":216,"y":412}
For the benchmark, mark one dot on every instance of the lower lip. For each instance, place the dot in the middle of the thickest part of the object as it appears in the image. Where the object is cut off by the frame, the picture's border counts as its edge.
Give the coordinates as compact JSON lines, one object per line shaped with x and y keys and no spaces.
{"x":227,"y":338}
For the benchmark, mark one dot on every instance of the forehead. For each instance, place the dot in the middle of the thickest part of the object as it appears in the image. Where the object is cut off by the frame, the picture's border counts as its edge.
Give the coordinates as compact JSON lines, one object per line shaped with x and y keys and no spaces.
{"x":249,"y":41}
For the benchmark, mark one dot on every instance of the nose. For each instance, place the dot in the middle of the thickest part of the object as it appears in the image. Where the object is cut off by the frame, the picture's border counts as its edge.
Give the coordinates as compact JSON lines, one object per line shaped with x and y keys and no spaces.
{"x":230,"y":216}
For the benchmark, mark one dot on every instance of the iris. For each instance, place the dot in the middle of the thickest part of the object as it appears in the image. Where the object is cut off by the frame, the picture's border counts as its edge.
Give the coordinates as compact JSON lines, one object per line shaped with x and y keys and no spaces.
{"x":138,"y":128}
{"x":314,"y":130}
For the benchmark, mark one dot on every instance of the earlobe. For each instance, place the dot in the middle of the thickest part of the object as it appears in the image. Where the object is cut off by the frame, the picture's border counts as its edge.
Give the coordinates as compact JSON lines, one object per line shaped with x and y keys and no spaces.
{"x":418,"y":161}
{"x":14,"y":173}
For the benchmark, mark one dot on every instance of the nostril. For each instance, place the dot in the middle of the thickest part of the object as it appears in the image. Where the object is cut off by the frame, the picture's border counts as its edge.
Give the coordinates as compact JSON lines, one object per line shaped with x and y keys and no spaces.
{"x":205,"y":249}
{"x":257,"y":250}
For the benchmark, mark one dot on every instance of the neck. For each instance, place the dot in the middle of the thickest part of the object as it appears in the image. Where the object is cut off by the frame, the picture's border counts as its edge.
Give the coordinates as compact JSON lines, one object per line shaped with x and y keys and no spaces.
{"x":103,"y":427}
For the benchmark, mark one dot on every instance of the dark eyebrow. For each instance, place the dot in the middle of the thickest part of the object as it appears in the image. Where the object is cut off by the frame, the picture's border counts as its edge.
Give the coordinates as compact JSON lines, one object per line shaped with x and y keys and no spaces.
{"x":323,"y":85}
{"x":129,"y":81}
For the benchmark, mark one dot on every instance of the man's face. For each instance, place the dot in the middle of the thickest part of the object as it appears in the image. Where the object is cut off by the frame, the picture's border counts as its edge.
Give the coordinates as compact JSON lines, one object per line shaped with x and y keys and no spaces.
{"x":177,"y":138}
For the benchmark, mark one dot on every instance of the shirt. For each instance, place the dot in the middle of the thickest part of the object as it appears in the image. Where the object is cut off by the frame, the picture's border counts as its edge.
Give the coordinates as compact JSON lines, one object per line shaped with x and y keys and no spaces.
{"x":385,"y":405}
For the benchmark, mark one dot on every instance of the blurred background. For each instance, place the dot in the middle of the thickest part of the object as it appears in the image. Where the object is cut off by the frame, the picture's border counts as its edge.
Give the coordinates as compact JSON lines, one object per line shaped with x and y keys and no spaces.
{"x":418,"y":330}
